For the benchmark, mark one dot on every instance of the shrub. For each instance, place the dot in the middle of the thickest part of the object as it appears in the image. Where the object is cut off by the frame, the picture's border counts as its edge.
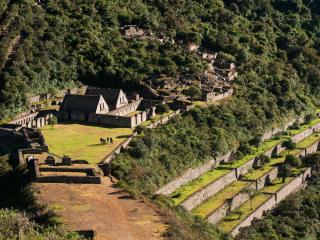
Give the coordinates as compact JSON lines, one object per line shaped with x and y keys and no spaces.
{"x":293,"y":161}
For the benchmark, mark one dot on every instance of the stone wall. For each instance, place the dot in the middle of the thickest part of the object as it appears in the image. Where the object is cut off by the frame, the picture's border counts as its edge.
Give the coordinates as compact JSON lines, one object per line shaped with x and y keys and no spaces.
{"x":33,"y":119}
{"x":267,"y":178}
{"x":164,"y":120}
{"x":69,"y":179}
{"x":219,"y":213}
{"x":243,"y":169}
{"x":306,"y":133}
{"x":213,"y":97}
{"x":258,"y":213}
{"x":282,"y":193}
{"x":208,"y":191}
{"x":129,"y":108}
{"x":120,"y":121}
{"x":191,"y":174}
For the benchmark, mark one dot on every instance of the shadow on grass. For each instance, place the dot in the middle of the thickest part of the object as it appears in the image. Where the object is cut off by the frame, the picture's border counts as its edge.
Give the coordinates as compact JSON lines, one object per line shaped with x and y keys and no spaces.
{"x":124,"y":136}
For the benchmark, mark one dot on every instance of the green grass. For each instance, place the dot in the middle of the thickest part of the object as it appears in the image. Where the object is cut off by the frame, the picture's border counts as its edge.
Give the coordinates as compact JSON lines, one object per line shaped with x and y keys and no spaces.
{"x":265,"y":146}
{"x":187,"y":190}
{"x":83,"y":141}
{"x":238,"y":215}
{"x":304,"y":126}
{"x":308,"y":141}
{"x":217,"y":200}
{"x":133,"y":113}
{"x":276,"y":185}
{"x":156,"y":118}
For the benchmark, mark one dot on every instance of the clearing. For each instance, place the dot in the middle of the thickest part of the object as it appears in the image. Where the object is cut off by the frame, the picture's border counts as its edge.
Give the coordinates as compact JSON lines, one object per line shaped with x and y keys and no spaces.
{"x":103,"y":208}
{"x":82,"y":142}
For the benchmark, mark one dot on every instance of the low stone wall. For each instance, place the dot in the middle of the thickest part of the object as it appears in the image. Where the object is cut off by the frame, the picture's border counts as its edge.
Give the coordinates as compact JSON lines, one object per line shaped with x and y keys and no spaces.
{"x":243,"y":169}
{"x":267,"y":178}
{"x":298,"y":137}
{"x":258,"y":213}
{"x":191,"y":174}
{"x":69,"y":179}
{"x":282,"y":193}
{"x":208,"y":191}
{"x":122,"y":111}
{"x":164,"y":120}
{"x":228,"y":206}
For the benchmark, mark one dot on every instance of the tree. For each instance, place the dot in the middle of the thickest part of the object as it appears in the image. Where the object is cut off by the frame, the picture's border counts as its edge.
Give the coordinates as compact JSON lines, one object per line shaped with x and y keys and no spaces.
{"x":260,"y":161}
{"x":308,"y":118}
{"x":293,"y":161}
{"x":288,"y":145}
{"x":313,"y":160}
{"x":285,"y":171}
{"x":256,"y":141}
{"x":53,"y":121}
{"x":193,"y":92}
{"x":162,"y":108}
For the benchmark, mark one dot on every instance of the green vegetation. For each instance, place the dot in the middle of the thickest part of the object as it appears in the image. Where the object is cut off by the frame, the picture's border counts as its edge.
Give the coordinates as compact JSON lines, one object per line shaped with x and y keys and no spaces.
{"x":207,"y":207}
{"x":294,"y":218}
{"x":187,"y":190}
{"x":232,"y":220}
{"x":82,"y":142}
{"x":15,"y":225}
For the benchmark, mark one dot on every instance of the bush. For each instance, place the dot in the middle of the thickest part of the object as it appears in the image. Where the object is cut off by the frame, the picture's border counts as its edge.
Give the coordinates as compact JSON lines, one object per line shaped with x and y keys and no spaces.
{"x":162,"y":108}
{"x":293,"y":161}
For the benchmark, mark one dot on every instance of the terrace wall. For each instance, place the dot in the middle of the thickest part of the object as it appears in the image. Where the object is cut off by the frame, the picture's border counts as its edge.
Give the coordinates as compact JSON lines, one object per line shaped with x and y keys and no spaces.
{"x":208,"y":191}
{"x":242,"y":170}
{"x":192,"y":174}
{"x":69,"y":179}
{"x":122,"y":111}
{"x":267,"y":178}
{"x":286,"y":190}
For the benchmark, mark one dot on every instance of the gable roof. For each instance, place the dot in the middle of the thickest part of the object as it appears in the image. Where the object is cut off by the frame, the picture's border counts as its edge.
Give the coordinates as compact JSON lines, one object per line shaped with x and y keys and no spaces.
{"x":110,"y":95}
{"x":85,"y":103}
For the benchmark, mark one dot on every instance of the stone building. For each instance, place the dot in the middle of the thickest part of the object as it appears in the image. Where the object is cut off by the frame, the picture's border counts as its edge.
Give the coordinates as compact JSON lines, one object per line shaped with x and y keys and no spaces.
{"x":217,"y":94}
{"x":106,"y":106}
{"x":115,"y":98}
{"x":132,"y":31}
{"x":82,"y":107}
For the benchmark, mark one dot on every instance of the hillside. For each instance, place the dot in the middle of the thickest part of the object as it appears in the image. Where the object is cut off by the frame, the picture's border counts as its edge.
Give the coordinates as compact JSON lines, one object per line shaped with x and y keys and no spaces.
{"x":48,"y":45}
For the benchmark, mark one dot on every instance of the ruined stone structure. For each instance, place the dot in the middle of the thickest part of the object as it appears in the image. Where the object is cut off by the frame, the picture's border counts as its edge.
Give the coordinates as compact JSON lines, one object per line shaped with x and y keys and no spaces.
{"x":132,"y":31}
{"x":106,"y":106}
{"x":33,"y":119}
{"x":217,"y":94}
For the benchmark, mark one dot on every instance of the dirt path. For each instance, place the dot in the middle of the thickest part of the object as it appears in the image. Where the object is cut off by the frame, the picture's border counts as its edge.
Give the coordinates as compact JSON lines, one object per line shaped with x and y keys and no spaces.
{"x":103,"y":208}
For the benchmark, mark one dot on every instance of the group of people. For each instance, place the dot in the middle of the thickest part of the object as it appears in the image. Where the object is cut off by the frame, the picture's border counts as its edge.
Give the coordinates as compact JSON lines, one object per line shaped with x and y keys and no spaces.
{"x":104,"y":141}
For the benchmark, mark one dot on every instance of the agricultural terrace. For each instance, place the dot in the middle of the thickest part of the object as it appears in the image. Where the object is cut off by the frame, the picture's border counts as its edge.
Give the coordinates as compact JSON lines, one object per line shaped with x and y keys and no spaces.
{"x":236,"y":187}
{"x":207,"y":178}
{"x":82,"y":142}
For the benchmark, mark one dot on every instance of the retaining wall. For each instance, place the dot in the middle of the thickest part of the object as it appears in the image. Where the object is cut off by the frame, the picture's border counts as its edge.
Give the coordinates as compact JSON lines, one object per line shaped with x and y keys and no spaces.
{"x":69,"y":179}
{"x":242,"y":170}
{"x":191,"y":174}
{"x":267,"y":178}
{"x":286,"y":190}
{"x":208,"y":191}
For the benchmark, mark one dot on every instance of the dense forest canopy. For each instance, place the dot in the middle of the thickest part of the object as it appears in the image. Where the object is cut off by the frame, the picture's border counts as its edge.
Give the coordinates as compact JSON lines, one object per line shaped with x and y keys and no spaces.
{"x":50,"y":44}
